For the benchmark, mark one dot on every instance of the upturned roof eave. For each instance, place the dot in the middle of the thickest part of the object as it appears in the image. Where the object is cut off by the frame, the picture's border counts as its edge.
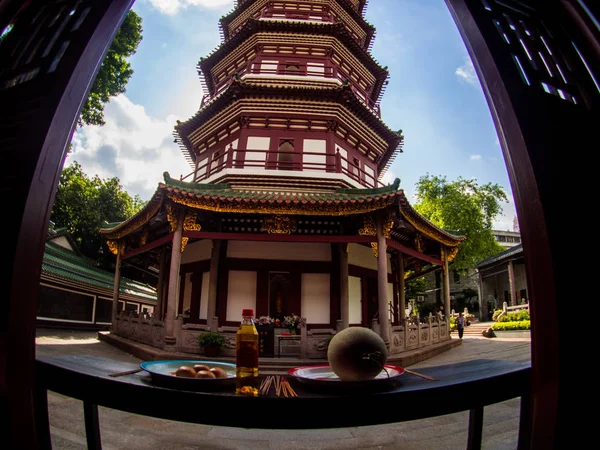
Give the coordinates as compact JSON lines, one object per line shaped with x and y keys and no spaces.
{"x":425,"y":226}
{"x":238,"y":87}
{"x":255,"y":26}
{"x":356,"y":15}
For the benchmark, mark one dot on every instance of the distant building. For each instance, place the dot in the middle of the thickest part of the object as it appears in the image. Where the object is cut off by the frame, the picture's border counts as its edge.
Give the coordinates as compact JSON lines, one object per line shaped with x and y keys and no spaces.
{"x":462,"y":287}
{"x":74,"y":292}
{"x":507,"y":238}
{"x":502,"y":278}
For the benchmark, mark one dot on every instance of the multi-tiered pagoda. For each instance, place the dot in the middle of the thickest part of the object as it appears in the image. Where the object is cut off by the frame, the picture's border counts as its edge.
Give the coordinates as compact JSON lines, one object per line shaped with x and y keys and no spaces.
{"x":284,"y":210}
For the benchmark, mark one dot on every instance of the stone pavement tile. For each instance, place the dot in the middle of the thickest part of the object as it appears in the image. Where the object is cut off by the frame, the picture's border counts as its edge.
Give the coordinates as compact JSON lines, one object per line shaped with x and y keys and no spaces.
{"x":329,"y":434}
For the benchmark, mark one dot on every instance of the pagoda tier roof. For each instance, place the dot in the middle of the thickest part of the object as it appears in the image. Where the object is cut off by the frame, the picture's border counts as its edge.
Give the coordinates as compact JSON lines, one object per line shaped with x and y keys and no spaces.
{"x":222,"y":198}
{"x":340,"y":94}
{"x":241,"y":4}
{"x":356,"y":15}
{"x":63,"y":266}
{"x":336,"y":30}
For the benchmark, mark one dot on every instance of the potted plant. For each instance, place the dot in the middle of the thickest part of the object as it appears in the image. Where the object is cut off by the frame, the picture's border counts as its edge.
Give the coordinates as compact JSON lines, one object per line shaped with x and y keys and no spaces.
{"x":212,"y":342}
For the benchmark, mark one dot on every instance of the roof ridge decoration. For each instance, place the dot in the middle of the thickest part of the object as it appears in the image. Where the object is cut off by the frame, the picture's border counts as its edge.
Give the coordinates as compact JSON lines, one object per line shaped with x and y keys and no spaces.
{"x":188,"y":184}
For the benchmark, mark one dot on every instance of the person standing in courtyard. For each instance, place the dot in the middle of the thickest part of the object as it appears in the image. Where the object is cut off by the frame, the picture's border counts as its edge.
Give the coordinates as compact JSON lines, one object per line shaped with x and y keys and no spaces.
{"x":460,"y":325}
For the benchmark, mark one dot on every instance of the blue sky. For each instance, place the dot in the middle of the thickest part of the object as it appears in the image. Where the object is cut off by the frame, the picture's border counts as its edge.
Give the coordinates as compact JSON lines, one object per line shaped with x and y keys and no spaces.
{"x":433,"y":95}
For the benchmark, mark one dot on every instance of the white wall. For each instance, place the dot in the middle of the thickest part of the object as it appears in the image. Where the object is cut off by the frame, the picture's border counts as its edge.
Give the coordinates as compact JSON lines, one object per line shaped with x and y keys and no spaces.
{"x":241,"y":293}
{"x":315,"y":297}
{"x":289,"y":251}
{"x":257,"y":143}
{"x":354,"y":303}
{"x":362,"y":256}
{"x":316,"y":146}
{"x":343,"y":154}
{"x":370,"y":171}
{"x":63,"y":242}
{"x":204,"y":295}
{"x":197,"y":251}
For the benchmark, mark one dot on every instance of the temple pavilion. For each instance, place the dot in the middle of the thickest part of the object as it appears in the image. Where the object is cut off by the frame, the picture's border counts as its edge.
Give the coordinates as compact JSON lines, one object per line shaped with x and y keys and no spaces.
{"x":283,"y":210}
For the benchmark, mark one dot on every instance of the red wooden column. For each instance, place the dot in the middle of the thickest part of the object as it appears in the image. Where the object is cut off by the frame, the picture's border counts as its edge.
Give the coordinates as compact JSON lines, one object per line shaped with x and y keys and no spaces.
{"x":401,"y":289}
{"x":382,"y":281}
{"x":213,"y":284}
{"x":344,"y":305}
{"x":116,"y":287}
{"x":173,"y":295}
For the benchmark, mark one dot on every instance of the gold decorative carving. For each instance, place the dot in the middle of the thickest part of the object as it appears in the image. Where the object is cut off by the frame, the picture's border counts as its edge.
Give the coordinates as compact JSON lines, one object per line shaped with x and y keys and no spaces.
{"x":113,"y":246}
{"x":452,"y":252}
{"x":189,"y":224}
{"x":217,"y":204}
{"x":172,"y":218}
{"x":116,"y":247}
{"x":419,"y":243}
{"x":279,"y":225}
{"x":370,"y":229}
{"x":143,"y":238}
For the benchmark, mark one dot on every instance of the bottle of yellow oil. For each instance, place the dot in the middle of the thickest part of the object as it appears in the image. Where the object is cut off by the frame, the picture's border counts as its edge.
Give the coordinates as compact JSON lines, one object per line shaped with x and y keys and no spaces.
{"x":246,"y":356}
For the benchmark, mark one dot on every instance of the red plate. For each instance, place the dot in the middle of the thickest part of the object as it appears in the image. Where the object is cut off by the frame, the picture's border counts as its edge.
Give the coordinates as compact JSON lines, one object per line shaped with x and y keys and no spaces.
{"x":321,"y":376}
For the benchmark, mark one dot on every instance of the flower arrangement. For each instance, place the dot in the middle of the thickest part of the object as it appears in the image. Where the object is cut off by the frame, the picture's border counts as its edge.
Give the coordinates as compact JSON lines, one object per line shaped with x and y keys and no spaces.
{"x":291,"y":322}
{"x":264,"y":320}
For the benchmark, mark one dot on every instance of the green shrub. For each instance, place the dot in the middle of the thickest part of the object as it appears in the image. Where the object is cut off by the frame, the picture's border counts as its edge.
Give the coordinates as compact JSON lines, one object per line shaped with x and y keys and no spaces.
{"x":211,"y":339}
{"x":516,"y":316}
{"x":497,"y":312}
{"x":512,"y":326}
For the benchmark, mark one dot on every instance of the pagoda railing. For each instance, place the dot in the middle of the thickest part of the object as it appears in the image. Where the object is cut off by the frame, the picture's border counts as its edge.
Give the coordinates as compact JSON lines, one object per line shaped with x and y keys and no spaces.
{"x":269,"y":160}
{"x":299,"y":70}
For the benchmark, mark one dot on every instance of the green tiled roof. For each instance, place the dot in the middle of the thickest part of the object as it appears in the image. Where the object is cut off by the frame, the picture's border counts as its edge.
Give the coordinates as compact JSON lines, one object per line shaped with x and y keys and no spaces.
{"x":64,"y":264}
{"x":512,"y":251}
{"x":224,"y":190}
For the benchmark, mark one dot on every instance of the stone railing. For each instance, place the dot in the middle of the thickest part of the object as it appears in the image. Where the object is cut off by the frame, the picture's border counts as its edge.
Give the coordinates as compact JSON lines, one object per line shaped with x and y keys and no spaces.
{"x":143,"y":328}
{"x":310,"y":344}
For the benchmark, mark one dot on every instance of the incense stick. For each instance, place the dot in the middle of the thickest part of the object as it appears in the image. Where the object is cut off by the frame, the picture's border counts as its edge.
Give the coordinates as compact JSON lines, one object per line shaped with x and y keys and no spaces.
{"x":420,"y":375}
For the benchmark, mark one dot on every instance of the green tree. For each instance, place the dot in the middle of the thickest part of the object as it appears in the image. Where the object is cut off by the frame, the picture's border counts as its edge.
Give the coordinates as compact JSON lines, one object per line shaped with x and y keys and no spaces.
{"x":115,"y":71}
{"x":83,"y":205}
{"x":466,"y":208}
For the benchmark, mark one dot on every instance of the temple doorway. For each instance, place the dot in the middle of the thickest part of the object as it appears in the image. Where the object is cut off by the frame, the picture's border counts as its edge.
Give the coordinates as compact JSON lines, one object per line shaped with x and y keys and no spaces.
{"x":279,"y":290}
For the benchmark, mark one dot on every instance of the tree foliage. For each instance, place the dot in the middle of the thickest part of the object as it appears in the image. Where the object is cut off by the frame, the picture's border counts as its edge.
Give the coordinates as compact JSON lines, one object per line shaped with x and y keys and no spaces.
{"x":115,"y":71}
{"x":466,"y":208}
{"x":83,"y":204}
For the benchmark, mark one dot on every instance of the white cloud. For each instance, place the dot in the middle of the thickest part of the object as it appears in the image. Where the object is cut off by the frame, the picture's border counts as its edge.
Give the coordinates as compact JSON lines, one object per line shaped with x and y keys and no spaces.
{"x":171,"y":7}
{"x":475,"y":157}
{"x":132,"y":146}
{"x":466,"y":73}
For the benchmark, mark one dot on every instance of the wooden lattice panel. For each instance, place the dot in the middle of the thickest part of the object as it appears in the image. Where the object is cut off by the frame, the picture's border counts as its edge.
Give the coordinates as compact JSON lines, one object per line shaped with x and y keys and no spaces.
{"x":39,"y":52}
{"x":542,"y":61}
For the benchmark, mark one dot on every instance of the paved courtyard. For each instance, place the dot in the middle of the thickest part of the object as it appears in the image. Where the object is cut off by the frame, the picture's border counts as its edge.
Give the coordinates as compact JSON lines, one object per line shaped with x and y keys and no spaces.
{"x":129,"y":431}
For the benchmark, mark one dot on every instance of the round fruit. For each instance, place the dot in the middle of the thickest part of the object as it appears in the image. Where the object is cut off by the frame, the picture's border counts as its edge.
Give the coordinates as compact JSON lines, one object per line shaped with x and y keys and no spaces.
{"x":356,"y":354}
{"x":186,"y":371}
{"x":199,"y":367}
{"x":219,"y":373}
{"x":205,"y":374}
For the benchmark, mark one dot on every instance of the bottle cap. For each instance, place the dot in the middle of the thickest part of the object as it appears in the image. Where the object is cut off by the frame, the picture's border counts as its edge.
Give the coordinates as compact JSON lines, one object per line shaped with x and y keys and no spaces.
{"x":248,"y":312}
